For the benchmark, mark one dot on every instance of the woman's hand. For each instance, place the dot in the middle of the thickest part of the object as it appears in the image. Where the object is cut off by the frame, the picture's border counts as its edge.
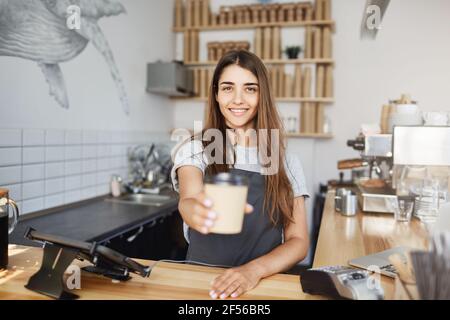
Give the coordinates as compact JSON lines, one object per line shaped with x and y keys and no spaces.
{"x":234,"y":282}
{"x":198,"y":214}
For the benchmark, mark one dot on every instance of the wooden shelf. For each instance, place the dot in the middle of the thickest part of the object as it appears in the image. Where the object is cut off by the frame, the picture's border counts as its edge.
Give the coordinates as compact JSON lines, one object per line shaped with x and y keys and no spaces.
{"x":274,"y":61}
{"x":312,"y":100}
{"x":259,"y":25}
{"x":310,"y":135}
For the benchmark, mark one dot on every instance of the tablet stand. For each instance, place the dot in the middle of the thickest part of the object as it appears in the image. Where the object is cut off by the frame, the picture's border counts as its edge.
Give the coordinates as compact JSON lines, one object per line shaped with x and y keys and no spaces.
{"x":49,"y":280}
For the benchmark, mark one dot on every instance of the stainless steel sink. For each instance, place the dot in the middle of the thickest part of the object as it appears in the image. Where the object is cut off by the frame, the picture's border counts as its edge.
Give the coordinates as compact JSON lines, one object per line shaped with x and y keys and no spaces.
{"x":155,"y":200}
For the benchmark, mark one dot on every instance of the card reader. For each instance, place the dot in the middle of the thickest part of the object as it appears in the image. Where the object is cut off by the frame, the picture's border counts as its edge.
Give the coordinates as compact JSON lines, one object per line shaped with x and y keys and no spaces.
{"x":341,"y":282}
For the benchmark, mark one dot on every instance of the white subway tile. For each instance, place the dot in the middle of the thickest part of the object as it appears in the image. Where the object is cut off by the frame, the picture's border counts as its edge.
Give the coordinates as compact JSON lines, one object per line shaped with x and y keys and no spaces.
{"x":102,"y":164}
{"x":53,"y":186}
{"x":103,"y":151}
{"x":90,"y":137}
{"x":10,"y":137}
{"x":115,"y":162}
{"x":72,"y":182}
{"x":54,"y":170}
{"x":103,"y":189}
{"x":33,"y":155}
{"x":73,"y":153}
{"x":116,"y":150}
{"x":103,"y":177}
{"x":88,"y":180}
{"x":33,"y":137}
{"x":124,"y":162}
{"x":55,"y":200}
{"x":89,"y":165}
{"x":72,"y":196}
{"x":54,"y":137}
{"x":33,"y":189}
{"x":53,"y":154}
{"x":104,"y":137}
{"x":10,"y":156}
{"x":72,"y":168}
{"x":124,"y":150}
{"x":89,"y":152}
{"x":10,"y":175}
{"x":32,"y":205}
{"x":33,"y":172}
{"x":116,"y":137}
{"x":73,"y":137}
{"x":15,"y":191}
{"x":88,"y":193}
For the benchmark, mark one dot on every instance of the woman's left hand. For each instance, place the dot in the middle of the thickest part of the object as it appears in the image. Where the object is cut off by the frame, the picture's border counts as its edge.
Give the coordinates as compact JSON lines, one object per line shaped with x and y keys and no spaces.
{"x":234,"y":282}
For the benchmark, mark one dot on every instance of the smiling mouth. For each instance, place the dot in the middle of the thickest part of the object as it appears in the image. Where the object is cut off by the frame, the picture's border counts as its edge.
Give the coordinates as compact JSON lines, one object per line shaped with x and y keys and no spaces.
{"x":238,"y":111}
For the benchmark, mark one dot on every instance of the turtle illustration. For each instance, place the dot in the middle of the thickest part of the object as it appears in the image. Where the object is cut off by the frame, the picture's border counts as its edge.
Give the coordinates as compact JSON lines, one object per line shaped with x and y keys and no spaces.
{"x":37,"y":30}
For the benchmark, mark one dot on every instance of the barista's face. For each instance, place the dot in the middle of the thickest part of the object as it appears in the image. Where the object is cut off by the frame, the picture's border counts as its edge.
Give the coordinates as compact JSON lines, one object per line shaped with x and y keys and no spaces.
{"x":238,"y":97}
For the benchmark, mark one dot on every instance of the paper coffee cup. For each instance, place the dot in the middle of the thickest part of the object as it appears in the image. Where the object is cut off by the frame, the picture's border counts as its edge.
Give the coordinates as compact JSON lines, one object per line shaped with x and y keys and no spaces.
{"x":228,"y":192}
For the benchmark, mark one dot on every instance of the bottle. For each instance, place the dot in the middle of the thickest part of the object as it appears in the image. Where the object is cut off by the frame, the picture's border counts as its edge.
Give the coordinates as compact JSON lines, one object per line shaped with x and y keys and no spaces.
{"x":116,"y":186}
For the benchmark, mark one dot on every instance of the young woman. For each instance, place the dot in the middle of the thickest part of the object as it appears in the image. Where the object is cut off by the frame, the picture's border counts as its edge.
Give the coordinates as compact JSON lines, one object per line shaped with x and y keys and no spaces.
{"x":274,"y":237}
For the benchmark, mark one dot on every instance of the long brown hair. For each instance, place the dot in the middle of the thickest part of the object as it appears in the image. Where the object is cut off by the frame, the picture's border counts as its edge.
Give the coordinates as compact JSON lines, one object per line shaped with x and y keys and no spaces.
{"x":278,"y":198}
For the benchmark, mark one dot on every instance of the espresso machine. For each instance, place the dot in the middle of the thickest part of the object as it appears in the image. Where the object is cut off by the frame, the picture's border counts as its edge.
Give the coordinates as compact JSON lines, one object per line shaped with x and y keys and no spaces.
{"x":375,"y":163}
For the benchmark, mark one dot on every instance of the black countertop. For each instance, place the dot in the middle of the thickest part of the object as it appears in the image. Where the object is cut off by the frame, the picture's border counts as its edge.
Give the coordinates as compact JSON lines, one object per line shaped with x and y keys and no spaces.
{"x":98,"y":220}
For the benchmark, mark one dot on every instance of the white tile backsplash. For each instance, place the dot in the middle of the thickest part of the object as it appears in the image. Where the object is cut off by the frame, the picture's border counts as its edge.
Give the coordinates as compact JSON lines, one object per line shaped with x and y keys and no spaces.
{"x":54,"y":154}
{"x":32,"y":205}
{"x":103,"y":151}
{"x":102,"y":164}
{"x":45,"y":168}
{"x":15,"y":191}
{"x":10,"y":156}
{"x":103,"y":177}
{"x":89,"y":192}
{"x":54,"y":200}
{"x":89,"y":166}
{"x":72,"y":196}
{"x":72,"y":168}
{"x":53,"y":186}
{"x":88,"y":180}
{"x":102,"y":189}
{"x":73,"y":137}
{"x":10,"y":138}
{"x":33,"y":172}
{"x":116,"y":150}
{"x":33,"y":189}
{"x":90,"y":137}
{"x":33,"y":155}
{"x":89,"y":152}
{"x":54,"y":137}
{"x":33,"y":137}
{"x":104,"y":137}
{"x":54,"y":170}
{"x":72,"y":183}
{"x":10,"y":175}
{"x":73,"y":153}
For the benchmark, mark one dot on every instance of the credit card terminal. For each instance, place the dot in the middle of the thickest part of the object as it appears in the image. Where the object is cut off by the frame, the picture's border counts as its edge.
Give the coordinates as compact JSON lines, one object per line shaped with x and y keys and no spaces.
{"x":341,"y":282}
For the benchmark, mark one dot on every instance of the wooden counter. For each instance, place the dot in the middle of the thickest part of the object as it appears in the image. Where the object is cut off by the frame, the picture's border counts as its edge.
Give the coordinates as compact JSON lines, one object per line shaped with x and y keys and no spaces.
{"x":343,"y":238}
{"x":340,"y":239}
{"x":167,"y":281}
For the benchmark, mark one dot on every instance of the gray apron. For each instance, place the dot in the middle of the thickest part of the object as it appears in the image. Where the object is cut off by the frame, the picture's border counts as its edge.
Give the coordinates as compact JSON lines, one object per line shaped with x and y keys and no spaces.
{"x":258,"y":237}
